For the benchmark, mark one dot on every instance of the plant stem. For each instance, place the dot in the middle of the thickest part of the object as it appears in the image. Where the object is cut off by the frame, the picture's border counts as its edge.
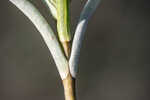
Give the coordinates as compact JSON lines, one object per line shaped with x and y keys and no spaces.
{"x":69,"y":88}
{"x":69,"y":81}
{"x":66,"y":46}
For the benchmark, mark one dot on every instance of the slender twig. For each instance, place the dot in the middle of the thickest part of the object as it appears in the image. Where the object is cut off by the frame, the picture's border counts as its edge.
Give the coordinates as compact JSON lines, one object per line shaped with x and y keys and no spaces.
{"x":48,"y":35}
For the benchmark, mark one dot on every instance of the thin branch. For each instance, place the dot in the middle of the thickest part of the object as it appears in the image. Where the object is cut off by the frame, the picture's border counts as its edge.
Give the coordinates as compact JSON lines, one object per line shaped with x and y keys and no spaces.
{"x":86,"y":13}
{"x":48,"y":35}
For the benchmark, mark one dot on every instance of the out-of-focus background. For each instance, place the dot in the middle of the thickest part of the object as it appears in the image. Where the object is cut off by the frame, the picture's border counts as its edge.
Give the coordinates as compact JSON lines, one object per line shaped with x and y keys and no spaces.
{"x":114,"y":62}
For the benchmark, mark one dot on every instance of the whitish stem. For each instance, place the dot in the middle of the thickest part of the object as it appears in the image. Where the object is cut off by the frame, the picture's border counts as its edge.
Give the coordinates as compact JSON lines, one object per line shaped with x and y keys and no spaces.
{"x":86,"y":13}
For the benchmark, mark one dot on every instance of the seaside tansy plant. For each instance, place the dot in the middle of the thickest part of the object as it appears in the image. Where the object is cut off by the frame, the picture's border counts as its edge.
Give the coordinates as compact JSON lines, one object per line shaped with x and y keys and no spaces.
{"x":64,"y":52}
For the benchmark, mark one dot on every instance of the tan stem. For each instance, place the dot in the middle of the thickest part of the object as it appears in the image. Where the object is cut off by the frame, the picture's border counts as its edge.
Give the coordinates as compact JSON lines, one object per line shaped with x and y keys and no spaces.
{"x":69,"y":81}
{"x":66,"y":46}
{"x":69,"y":88}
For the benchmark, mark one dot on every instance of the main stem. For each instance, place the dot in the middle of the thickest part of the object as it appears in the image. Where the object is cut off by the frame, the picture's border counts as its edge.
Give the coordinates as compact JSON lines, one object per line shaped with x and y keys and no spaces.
{"x":69,"y":81}
{"x":69,"y":88}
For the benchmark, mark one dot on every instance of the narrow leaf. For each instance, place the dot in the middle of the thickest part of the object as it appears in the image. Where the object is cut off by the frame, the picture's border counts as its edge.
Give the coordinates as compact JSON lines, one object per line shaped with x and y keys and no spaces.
{"x":86,"y":13}
{"x":48,"y":35}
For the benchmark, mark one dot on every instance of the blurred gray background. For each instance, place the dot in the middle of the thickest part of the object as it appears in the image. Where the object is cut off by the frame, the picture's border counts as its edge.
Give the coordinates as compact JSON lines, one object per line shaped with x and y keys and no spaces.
{"x":114,"y":62}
